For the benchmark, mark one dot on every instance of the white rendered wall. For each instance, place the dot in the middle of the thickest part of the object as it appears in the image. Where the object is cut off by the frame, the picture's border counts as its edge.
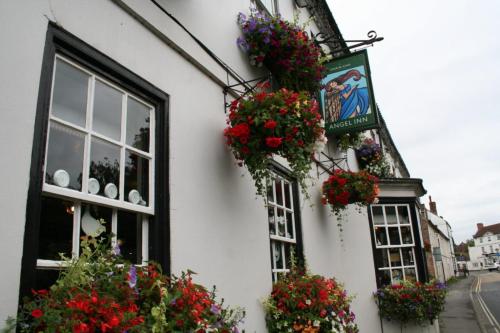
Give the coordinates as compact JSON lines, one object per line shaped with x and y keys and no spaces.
{"x":218,"y":227}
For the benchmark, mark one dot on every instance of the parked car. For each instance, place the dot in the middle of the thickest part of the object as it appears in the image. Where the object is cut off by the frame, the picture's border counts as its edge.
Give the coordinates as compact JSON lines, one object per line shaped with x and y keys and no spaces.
{"x":493,"y":267}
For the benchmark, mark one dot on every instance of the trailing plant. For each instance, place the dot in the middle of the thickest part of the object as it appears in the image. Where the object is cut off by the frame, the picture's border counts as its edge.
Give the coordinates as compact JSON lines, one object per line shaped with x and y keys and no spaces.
{"x":283,"y":123}
{"x":100,"y":292}
{"x":349,"y":140}
{"x":301,"y":302}
{"x":284,"y":48}
{"x":371,"y":158}
{"x":347,"y":187}
{"x":411,"y":302}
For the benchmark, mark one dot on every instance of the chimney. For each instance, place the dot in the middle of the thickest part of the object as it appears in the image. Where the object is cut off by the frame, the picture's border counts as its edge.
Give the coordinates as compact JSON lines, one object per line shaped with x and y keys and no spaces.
{"x":480,"y":226}
{"x":432,"y":206}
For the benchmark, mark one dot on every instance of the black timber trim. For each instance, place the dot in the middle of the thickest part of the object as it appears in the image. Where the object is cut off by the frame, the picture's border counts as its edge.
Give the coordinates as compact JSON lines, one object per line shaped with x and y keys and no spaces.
{"x":60,"y":41}
{"x":420,"y":257}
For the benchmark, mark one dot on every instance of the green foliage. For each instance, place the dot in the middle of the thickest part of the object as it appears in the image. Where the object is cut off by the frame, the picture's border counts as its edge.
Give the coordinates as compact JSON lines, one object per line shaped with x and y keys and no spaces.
{"x":100,"y":292}
{"x":284,"y":48}
{"x":349,"y":140}
{"x":371,"y":158}
{"x":300,"y":302}
{"x":284,"y":123}
{"x":408,"y":302}
{"x":347,"y":187}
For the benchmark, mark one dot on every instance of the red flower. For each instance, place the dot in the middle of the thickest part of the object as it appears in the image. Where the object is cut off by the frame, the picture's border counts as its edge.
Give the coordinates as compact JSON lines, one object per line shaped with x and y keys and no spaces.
{"x":114,"y":321}
{"x":260,"y":96}
{"x":270,"y":124}
{"x":273,"y":142}
{"x":240,"y":130}
{"x":81,"y":328}
{"x":37,"y":313}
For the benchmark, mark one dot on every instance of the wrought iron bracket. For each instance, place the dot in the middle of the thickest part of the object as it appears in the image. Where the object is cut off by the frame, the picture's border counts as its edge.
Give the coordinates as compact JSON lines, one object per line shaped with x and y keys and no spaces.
{"x":328,"y":163}
{"x":320,"y":38}
{"x":242,"y":89}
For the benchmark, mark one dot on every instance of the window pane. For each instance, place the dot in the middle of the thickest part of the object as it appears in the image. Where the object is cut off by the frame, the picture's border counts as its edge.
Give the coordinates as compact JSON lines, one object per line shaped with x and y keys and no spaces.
{"x":269,"y":5}
{"x":281,"y":222}
{"x":403,"y":215}
{"x":69,"y":100}
{"x":65,"y":152}
{"x":394,"y":236}
{"x":382,"y":259}
{"x":90,"y":226}
{"x":272,"y":224}
{"x":138,"y":125}
{"x":270,"y":195}
{"x":397,"y":275}
{"x":45,"y":278}
{"x":289,"y":225}
{"x":408,"y":256}
{"x":395,"y":257}
{"x":129,"y":236}
{"x":287,"y":196}
{"x":390,"y":214}
{"x":410,"y":274}
{"x":279,"y":192}
{"x":378,"y":215}
{"x":136,"y":179}
{"x":380,"y":236}
{"x":104,"y":168}
{"x":277,"y":253}
{"x":384,"y":277}
{"x":107,"y":111}
{"x":406,"y":235}
{"x":56,"y":229}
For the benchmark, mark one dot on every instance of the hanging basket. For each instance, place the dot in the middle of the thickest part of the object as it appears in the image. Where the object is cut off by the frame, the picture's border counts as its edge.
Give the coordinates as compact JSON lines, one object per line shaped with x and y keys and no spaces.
{"x":284,"y":48}
{"x":283,"y":123}
{"x":348,"y":187}
{"x":306,"y":303}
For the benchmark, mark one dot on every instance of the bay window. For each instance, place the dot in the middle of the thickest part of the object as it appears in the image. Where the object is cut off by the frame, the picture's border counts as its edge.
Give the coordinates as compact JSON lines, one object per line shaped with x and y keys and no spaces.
{"x":394,"y":243}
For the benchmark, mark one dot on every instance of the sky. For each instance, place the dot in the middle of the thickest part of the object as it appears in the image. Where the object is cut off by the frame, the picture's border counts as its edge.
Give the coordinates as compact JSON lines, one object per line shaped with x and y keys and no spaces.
{"x":436,"y":77}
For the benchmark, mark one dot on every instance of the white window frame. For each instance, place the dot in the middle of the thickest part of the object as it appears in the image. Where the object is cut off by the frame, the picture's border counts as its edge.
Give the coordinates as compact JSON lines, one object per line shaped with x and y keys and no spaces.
{"x":260,"y":5}
{"x":401,"y":246}
{"x":276,"y":239}
{"x":82,"y":197}
{"x":89,"y":133}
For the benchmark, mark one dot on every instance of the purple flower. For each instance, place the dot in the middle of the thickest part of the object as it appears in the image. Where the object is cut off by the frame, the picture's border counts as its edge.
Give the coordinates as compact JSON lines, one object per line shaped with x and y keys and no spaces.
{"x":116,"y":250}
{"x":241,"y":18}
{"x":241,"y":42}
{"x":252,"y":24}
{"x":132,"y":276}
{"x":215,"y":309}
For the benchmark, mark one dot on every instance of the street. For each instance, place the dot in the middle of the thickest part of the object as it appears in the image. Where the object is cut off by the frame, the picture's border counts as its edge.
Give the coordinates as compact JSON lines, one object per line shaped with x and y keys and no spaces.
{"x":473,"y":305}
{"x":488,"y":294}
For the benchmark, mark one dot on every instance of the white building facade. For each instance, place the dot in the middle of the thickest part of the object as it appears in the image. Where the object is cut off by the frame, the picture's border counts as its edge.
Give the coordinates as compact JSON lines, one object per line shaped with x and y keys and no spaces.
{"x":486,"y":249}
{"x":120,"y":85}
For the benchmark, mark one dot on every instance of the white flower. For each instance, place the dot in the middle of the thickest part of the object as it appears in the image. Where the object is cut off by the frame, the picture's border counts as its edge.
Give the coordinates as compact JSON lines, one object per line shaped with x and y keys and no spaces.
{"x":308,"y":301}
{"x":316,"y":323}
